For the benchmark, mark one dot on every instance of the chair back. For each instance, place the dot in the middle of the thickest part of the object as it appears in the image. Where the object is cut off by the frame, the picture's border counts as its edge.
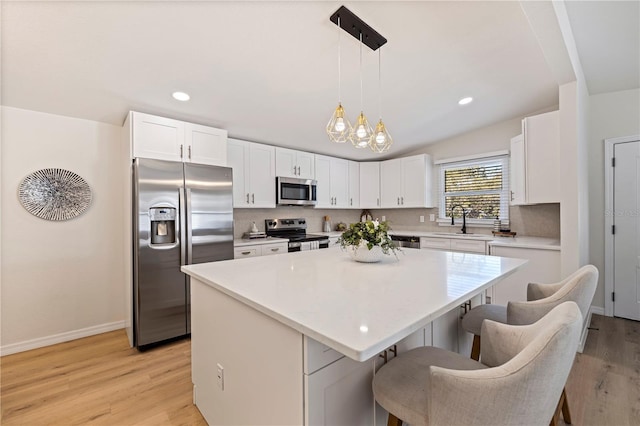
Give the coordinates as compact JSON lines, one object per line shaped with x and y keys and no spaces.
{"x":579,"y":287}
{"x":525,"y":389}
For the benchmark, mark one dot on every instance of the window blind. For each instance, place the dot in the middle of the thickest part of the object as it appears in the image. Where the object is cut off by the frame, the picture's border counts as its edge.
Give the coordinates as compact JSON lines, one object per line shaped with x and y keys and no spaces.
{"x":480,"y":186}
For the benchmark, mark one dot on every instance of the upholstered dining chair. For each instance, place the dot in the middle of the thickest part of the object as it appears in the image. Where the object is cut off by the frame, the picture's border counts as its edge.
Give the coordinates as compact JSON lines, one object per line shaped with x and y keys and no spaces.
{"x":578,"y":287}
{"x":519,"y":381}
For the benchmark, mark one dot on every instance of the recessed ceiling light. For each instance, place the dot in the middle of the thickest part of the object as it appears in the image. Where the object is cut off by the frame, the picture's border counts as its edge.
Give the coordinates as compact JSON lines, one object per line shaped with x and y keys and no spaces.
{"x":465,"y":101}
{"x":181,"y":96}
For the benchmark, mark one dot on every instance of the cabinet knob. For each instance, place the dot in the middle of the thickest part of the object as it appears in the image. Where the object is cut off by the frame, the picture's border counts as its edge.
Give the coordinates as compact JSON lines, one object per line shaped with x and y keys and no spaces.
{"x":189,"y":151}
{"x":275,"y":249}
{"x":253,"y":198}
{"x":247,"y":198}
{"x":246,"y":252}
{"x":511,"y":195}
{"x":398,"y":202}
{"x":181,"y":151}
{"x":402,"y":200}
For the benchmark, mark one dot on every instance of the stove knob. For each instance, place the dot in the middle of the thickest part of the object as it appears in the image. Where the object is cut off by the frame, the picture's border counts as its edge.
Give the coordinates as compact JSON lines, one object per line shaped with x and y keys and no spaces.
{"x":302,"y":222}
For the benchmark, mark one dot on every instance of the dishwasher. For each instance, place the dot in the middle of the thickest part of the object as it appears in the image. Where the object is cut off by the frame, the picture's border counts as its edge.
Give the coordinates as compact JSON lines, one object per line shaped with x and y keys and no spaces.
{"x":404,"y":241}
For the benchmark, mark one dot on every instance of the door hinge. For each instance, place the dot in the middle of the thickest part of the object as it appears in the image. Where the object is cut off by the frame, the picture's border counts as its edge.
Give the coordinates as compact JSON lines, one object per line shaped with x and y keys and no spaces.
{"x":613,"y":229}
{"x":613,"y":161}
{"x":613,"y":296}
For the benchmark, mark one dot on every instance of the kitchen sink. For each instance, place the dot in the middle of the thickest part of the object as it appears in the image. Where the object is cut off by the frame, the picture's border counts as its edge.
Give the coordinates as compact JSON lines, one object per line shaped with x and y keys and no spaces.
{"x":454,"y":234}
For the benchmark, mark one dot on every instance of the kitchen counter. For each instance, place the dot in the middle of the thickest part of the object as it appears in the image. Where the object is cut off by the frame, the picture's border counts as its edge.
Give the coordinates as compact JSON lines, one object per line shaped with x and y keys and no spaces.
{"x":241,"y":242}
{"x":327,"y":296}
{"x":522,"y":242}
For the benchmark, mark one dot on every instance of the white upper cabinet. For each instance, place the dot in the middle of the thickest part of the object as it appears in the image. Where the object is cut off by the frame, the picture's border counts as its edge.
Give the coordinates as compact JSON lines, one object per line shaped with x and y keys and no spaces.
{"x":406,"y":182}
{"x":167,"y":139}
{"x":535,"y":161}
{"x":254,"y":174}
{"x":370,"y":185}
{"x":205,"y":145}
{"x":332,"y":175}
{"x":354,"y":184}
{"x":295,"y":164}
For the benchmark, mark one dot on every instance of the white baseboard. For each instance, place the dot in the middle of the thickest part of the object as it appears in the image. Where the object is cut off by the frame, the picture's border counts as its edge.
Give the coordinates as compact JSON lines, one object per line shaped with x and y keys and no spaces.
{"x":59,"y":338}
{"x":585,"y":331}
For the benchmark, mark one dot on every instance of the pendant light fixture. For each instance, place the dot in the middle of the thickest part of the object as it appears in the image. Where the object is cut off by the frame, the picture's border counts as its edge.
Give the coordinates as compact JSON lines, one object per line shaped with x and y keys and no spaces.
{"x":339,"y":127}
{"x":381,"y":139}
{"x":361,"y":133}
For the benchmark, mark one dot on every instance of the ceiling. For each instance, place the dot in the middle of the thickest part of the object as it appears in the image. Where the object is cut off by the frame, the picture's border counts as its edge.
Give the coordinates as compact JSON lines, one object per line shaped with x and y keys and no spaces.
{"x":267,"y":71}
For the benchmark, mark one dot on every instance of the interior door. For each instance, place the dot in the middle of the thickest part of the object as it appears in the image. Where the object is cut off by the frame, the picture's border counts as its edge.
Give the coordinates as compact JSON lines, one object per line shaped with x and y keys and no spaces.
{"x":626,"y":219}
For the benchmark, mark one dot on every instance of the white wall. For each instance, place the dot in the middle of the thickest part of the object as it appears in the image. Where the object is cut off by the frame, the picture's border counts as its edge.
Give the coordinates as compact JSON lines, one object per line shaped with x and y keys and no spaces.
{"x":612,"y":115}
{"x":60,"y":280}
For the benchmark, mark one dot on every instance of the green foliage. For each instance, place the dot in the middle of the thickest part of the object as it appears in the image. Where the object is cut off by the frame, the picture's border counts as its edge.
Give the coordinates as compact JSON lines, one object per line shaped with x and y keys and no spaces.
{"x":370,"y":233}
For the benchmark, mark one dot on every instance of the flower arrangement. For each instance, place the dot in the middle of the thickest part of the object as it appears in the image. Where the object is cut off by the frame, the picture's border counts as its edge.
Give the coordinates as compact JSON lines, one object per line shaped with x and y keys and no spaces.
{"x":369,"y":233}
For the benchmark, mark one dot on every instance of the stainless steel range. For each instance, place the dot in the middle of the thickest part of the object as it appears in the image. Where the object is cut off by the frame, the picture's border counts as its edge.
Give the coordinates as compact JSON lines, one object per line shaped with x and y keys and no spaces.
{"x":296,"y":231}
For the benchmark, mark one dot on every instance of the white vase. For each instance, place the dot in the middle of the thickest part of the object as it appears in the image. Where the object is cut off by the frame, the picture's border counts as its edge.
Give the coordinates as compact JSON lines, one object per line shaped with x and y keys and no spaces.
{"x":363,"y":254}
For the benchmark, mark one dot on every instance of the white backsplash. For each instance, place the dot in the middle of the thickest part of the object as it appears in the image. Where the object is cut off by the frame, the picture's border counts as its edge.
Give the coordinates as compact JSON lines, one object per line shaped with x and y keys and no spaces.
{"x":542,"y":220}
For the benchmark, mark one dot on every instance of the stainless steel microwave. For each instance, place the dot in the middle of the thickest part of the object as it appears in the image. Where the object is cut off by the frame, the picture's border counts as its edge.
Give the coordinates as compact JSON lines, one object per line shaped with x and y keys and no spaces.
{"x":296,"y":191}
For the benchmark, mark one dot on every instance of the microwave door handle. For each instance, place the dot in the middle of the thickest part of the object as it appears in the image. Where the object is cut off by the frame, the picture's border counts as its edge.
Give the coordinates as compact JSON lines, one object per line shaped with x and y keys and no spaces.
{"x":182,"y":225}
{"x":189,"y":230}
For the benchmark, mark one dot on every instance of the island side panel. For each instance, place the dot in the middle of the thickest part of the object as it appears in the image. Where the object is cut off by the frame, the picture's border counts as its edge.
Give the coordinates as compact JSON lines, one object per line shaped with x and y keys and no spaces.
{"x":261,"y":357}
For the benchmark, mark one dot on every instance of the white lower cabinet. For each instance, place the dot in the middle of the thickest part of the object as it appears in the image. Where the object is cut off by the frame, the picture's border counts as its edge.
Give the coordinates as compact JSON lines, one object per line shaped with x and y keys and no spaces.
{"x":543,"y":267}
{"x":445,"y":330}
{"x":260,"y":250}
{"x":340,"y":394}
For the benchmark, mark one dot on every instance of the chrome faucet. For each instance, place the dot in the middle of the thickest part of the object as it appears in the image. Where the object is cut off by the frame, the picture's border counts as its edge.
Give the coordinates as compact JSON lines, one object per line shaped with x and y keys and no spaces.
{"x":464,"y":218}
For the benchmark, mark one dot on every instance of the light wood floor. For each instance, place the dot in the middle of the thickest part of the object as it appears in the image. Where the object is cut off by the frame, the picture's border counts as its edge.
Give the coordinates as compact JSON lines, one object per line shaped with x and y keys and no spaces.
{"x":100,"y":380}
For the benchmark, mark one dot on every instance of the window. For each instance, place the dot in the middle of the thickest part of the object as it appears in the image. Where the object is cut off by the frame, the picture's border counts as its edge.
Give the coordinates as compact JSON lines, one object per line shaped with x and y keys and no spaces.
{"x":480,"y":186}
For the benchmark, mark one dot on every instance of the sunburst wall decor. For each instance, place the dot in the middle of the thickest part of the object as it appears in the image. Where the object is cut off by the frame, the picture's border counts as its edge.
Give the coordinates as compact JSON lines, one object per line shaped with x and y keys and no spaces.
{"x":54,"y":194}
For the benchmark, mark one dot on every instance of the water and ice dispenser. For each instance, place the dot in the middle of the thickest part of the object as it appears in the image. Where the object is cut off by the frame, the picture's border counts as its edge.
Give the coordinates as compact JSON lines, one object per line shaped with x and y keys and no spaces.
{"x":163,"y":225}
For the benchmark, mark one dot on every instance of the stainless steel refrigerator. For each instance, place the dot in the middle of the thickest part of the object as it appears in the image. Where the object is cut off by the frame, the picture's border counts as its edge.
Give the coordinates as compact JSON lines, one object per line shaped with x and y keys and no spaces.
{"x":182,"y":214}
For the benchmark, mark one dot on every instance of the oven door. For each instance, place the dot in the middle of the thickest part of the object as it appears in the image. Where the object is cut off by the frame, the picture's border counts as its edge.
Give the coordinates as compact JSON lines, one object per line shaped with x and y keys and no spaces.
{"x":292,"y":191}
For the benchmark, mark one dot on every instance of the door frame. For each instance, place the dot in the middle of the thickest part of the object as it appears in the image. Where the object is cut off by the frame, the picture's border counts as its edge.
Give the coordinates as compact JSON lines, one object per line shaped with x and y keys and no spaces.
{"x":609,"y":145}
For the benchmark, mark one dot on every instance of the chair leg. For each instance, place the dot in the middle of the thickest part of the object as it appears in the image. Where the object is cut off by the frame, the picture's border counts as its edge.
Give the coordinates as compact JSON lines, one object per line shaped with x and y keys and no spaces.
{"x":562,"y":407}
{"x":566,"y":414}
{"x":475,"y":349}
{"x":393,"y":421}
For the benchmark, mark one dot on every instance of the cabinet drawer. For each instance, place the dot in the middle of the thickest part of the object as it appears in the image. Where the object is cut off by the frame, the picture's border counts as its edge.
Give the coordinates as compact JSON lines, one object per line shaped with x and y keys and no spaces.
{"x":469,"y":246}
{"x":240,"y":252}
{"x":269,"y":249}
{"x":435,"y":243}
{"x":317,"y":355}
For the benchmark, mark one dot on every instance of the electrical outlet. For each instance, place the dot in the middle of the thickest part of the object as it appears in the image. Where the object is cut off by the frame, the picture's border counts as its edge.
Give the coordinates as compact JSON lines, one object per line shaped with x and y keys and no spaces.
{"x":432,"y":217}
{"x":220,"y":377}
{"x":384,"y":218}
{"x":421,"y":219}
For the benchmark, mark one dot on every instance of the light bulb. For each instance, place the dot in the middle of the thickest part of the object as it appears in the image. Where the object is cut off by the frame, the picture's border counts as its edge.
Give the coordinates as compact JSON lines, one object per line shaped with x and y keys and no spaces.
{"x":381,"y":138}
{"x":340,"y":124}
{"x":361,"y":132}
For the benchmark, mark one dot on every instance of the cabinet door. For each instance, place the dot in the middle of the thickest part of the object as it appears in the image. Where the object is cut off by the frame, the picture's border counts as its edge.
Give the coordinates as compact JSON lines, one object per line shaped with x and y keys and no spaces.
{"x":543,"y":267}
{"x":306,"y":162}
{"x":468,"y":246}
{"x":340,"y":394}
{"x":340,"y":182}
{"x":445,"y":330}
{"x":354,"y":184}
{"x":323,"y":176}
{"x":541,"y":136}
{"x":517,"y":171}
{"x":237,"y":159}
{"x":262,"y":176}
{"x":370,"y":185}
{"x":413,"y":182}
{"x":206,"y":145}
{"x":157,"y":137}
{"x":286,"y":162}
{"x":390,"y":183}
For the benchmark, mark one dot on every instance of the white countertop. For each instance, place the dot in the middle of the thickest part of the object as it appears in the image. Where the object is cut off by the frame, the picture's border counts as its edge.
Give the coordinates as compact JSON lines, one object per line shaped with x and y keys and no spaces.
{"x":520,"y":242}
{"x":258,"y":241}
{"x":355,"y":308}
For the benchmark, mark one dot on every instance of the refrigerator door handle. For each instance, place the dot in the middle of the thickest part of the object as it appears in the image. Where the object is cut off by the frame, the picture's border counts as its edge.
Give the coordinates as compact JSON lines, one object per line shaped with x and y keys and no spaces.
{"x":189,"y":230}
{"x":183,"y":233}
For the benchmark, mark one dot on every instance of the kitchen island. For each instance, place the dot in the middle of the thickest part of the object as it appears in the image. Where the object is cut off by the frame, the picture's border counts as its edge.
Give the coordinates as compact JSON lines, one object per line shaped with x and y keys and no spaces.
{"x":266,"y":330}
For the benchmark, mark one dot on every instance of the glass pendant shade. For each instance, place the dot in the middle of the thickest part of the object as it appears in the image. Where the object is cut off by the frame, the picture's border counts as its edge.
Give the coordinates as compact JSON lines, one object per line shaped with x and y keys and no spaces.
{"x":338,"y":127}
{"x":381,"y":140}
{"x":361,"y":133}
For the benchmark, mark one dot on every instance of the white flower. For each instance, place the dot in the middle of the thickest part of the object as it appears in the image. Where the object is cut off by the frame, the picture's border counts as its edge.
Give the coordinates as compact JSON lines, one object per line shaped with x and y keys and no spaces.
{"x":376,"y":223}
